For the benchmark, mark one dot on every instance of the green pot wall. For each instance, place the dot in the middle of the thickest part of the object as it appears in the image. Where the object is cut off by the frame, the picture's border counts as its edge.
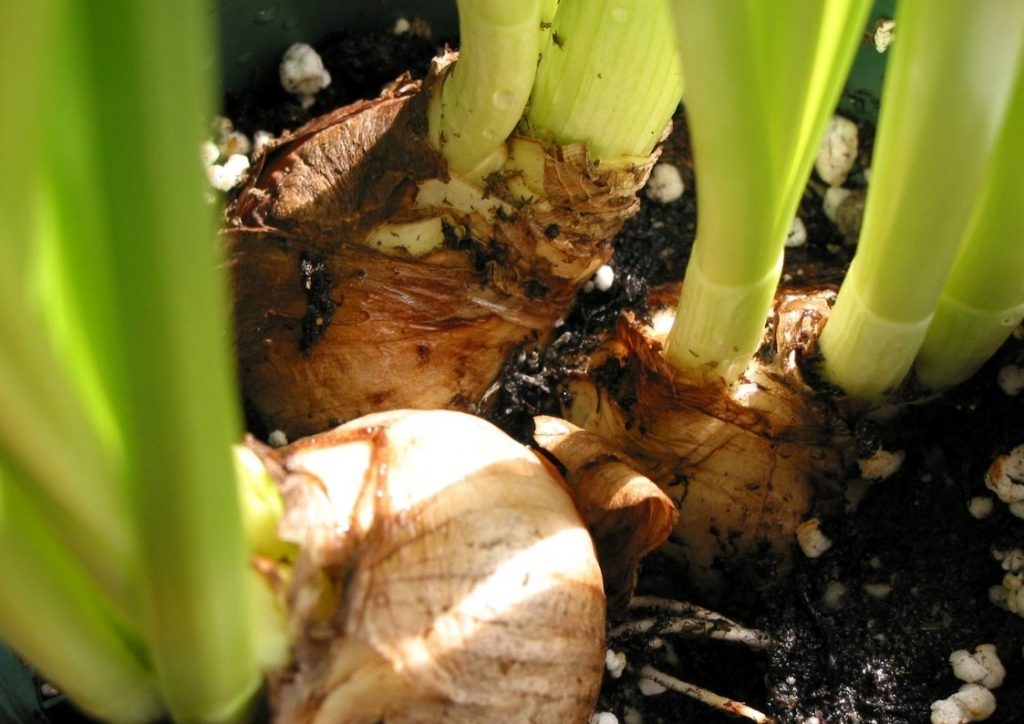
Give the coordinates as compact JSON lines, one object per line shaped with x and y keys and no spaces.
{"x":864,"y":86}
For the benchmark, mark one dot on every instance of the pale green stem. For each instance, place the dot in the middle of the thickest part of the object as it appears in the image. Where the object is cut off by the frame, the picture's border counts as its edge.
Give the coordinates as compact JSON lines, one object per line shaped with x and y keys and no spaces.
{"x":609,"y":77}
{"x":983,"y":300}
{"x":483,"y":96}
{"x":762,"y":81}
{"x":271,"y":626}
{"x":148,"y":66}
{"x":54,"y":616}
{"x":262,"y":506}
{"x":262,"y":510}
{"x":946,"y":93}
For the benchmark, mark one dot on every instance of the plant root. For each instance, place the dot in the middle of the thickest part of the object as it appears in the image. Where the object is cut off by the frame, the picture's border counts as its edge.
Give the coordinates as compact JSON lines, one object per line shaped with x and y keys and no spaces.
{"x":704,"y":696}
{"x":690,"y":621}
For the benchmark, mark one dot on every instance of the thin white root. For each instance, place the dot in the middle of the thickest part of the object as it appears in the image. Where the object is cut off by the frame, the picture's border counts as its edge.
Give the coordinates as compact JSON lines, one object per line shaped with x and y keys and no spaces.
{"x":690,"y":620}
{"x":704,"y":696}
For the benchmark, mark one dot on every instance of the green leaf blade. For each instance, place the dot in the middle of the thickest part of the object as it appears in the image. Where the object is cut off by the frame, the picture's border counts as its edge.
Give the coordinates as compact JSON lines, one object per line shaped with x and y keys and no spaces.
{"x":176,"y":399}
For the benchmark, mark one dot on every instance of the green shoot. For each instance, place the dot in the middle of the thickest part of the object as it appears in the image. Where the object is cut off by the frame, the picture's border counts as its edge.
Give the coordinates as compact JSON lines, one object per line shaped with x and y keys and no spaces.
{"x":983,"y":299}
{"x":54,"y":614}
{"x":175,"y":397}
{"x":48,"y":429}
{"x":609,"y":77}
{"x":762,"y":80}
{"x":124,"y":555}
{"x":948,"y":86}
{"x":262,"y":507}
{"x":479,"y":105}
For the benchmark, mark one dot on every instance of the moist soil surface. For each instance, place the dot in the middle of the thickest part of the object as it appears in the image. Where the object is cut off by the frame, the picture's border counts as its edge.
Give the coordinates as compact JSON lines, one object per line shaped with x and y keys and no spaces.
{"x":864,"y":632}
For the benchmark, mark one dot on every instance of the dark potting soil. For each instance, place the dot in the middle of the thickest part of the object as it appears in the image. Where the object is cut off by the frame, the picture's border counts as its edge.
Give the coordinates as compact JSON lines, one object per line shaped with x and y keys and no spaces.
{"x":360,"y":63}
{"x":872,"y":654}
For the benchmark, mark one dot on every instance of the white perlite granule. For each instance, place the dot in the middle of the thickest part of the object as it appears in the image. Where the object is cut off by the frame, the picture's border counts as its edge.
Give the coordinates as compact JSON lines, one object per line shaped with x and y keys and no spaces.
{"x":878,"y":590}
{"x":1005,"y":477}
{"x":260,"y":140}
{"x":665,"y":184}
{"x":831,"y":201}
{"x":834,"y":597}
{"x":615,"y":662}
{"x":980,"y":506}
{"x":1011,"y":560}
{"x":810,"y":538}
{"x":1009,"y":594}
{"x":885,"y":33}
{"x":225,"y":176}
{"x":797,"y":235}
{"x":604,"y":278}
{"x":982,"y":667}
{"x":303,"y":73}
{"x":838,"y":151}
{"x":881,"y":465}
{"x":972,"y":703}
{"x":234,"y":143}
{"x":1011,"y":379}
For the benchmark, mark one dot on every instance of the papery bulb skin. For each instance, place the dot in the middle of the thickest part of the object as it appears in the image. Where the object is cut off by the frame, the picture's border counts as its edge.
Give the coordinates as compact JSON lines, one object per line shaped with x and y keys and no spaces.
{"x":444,"y":575}
{"x":744,"y":461}
{"x":367,"y":278}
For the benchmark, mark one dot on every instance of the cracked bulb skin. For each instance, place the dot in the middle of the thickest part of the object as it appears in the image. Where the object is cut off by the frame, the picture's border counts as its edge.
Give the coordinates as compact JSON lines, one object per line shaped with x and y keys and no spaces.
{"x":424,"y":283}
{"x":745,"y":462}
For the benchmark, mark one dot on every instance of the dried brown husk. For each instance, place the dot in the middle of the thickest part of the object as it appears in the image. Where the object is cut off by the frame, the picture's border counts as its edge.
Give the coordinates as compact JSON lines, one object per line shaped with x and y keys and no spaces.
{"x":627,"y":514}
{"x":393,"y":330}
{"x":444,"y":575}
{"x":745,"y":461}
